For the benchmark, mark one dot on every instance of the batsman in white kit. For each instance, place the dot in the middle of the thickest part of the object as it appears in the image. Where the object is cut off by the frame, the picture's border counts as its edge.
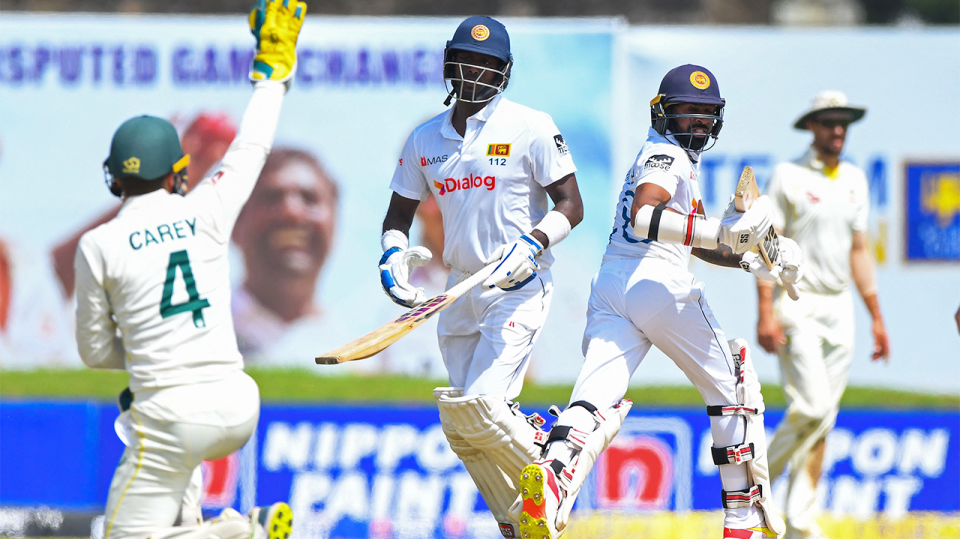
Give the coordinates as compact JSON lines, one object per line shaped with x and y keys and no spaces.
{"x":153,"y":297}
{"x":491,"y":164}
{"x":643,"y":296}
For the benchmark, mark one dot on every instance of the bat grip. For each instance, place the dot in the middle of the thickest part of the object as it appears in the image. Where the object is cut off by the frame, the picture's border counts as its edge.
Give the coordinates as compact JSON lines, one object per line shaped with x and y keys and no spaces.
{"x":791,"y":290}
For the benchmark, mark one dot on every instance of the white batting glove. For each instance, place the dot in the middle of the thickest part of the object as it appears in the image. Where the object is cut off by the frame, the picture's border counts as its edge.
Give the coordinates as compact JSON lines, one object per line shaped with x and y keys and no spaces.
{"x":791,"y":261}
{"x":518,"y":264}
{"x":743,"y":231}
{"x":395,"y":267}
{"x":751,"y":262}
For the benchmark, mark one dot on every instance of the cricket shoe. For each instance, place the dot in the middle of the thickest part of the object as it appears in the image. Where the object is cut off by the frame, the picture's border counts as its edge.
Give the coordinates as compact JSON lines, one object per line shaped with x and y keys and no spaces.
{"x":757,"y":532}
{"x":541,"y":495}
{"x":274,"y":522}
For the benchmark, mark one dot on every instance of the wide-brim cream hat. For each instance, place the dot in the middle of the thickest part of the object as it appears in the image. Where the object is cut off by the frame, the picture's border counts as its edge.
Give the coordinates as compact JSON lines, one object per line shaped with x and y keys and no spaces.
{"x":829,"y":101}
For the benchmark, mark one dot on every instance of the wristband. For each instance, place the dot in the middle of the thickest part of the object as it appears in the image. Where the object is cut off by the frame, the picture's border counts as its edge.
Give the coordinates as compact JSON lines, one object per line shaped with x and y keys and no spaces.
{"x":555,"y":226}
{"x":394,"y":238}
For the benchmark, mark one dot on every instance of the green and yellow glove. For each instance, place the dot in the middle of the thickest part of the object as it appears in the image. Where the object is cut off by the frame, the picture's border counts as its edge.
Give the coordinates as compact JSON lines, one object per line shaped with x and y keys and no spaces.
{"x":276,"y":25}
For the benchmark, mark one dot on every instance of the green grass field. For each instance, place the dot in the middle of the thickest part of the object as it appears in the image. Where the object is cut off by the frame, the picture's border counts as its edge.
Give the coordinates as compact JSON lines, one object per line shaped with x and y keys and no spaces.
{"x":304,"y":386}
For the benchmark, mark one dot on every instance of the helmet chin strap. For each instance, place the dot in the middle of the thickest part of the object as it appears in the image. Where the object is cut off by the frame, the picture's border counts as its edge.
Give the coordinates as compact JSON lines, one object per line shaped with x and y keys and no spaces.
{"x":446,"y":102}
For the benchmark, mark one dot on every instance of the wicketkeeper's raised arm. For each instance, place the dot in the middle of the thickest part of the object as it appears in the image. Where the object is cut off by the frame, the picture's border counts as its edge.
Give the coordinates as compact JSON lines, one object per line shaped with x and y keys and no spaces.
{"x":276,"y":25}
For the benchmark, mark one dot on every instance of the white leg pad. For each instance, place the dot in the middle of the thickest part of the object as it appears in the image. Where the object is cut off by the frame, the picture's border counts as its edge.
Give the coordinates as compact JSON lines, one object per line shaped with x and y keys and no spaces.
{"x":498,"y":488}
{"x":752,"y":453}
{"x":489,"y":425}
{"x":571,"y":479}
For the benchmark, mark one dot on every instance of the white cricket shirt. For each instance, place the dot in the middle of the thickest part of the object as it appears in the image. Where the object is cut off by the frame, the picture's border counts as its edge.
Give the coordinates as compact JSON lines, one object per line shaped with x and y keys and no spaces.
{"x":674,"y":169}
{"x":158,"y":271}
{"x":489,"y":183}
{"x":820,"y":212}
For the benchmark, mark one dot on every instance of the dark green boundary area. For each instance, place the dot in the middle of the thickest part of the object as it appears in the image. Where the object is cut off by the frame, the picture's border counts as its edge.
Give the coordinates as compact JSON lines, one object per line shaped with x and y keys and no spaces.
{"x":298,"y":386}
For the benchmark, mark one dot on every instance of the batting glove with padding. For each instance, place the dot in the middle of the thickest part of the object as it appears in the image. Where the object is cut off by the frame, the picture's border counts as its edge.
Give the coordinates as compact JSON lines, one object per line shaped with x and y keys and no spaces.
{"x":791,"y":261}
{"x":518,"y":264}
{"x":751,"y":262}
{"x":395,"y":267}
{"x":276,"y":25}
{"x":743,"y":231}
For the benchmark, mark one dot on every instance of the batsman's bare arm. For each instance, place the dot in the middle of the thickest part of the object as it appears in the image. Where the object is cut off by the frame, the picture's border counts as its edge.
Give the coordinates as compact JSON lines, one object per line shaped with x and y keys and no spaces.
{"x":566,"y":199}
{"x":400,"y":214}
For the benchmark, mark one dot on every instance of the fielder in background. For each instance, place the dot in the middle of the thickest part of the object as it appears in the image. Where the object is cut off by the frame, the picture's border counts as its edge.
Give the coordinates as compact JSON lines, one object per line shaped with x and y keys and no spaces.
{"x":153,"y":297}
{"x":822,"y":202}
{"x":644,"y":295}
{"x":491,"y":164}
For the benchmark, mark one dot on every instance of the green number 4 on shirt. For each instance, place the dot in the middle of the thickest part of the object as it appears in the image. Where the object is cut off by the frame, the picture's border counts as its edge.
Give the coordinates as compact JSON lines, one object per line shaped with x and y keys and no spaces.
{"x":196,"y":304}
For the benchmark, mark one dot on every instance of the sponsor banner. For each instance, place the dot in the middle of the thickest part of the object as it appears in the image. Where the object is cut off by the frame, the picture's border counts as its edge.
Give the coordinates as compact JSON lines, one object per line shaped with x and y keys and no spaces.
{"x":352,"y":471}
{"x":932,"y":207}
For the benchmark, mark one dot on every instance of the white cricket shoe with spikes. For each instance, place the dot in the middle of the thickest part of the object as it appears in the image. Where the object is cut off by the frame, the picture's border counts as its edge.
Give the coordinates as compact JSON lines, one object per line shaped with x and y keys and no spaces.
{"x":541,"y":495}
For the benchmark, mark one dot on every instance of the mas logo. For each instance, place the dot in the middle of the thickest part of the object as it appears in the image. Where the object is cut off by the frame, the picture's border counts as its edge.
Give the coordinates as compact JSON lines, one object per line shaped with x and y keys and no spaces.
{"x":424,"y":161}
{"x":700,"y":80}
{"x":131,"y":166}
{"x":480,"y":32}
{"x":498,"y":150}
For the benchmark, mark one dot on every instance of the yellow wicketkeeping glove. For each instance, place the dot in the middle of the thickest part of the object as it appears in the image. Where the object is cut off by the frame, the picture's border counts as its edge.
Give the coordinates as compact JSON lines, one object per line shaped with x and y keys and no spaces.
{"x":276,"y":25}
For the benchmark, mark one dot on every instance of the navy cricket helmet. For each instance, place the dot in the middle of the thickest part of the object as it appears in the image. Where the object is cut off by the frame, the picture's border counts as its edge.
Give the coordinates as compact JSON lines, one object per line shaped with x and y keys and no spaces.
{"x":482,"y":35}
{"x":688,"y":84}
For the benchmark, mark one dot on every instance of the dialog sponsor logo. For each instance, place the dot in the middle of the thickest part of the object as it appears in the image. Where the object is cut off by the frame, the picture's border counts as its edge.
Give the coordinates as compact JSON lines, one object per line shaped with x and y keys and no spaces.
{"x":450,"y":185}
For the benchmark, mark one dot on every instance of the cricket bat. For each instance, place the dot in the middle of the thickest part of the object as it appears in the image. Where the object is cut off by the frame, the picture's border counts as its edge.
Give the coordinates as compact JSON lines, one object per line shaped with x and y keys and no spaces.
{"x":769,"y":249}
{"x":389,"y":333}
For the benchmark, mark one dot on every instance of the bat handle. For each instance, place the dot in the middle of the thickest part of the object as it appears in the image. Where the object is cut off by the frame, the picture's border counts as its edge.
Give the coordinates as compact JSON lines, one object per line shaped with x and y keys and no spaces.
{"x":791,"y":290}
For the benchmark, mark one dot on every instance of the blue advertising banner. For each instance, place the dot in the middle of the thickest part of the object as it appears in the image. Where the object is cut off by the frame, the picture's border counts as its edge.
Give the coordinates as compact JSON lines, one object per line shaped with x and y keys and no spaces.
{"x":358,"y":472}
{"x":932,"y":205}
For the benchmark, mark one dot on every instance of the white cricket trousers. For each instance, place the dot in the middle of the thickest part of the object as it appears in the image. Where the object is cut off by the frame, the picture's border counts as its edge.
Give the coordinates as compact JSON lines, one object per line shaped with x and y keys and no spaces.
{"x":486,"y":336}
{"x":814,"y":369}
{"x":168,"y":433}
{"x":637,"y":303}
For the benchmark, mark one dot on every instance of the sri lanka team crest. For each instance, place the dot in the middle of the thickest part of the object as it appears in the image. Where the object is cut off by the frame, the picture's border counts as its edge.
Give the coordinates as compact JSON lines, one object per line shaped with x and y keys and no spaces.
{"x":498,"y":150}
{"x":480,"y":32}
{"x":700,"y":80}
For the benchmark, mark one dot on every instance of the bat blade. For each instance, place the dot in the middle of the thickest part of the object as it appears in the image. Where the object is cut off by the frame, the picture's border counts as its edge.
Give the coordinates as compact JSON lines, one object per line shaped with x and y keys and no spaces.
{"x":379,"y":339}
{"x":745,"y":194}
{"x":387,"y":334}
{"x":747,"y":191}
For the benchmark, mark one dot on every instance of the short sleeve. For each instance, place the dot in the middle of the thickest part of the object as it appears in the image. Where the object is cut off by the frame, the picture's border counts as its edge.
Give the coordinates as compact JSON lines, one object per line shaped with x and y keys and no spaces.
{"x":775,"y":193}
{"x":662,"y":170}
{"x":408,"y":180}
{"x":549,"y":154}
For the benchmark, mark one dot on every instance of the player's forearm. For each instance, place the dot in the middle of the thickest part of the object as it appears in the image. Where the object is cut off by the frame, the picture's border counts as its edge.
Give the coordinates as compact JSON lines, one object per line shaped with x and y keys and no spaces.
{"x":723,"y":255}
{"x":764,"y":299}
{"x":864,"y":277}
